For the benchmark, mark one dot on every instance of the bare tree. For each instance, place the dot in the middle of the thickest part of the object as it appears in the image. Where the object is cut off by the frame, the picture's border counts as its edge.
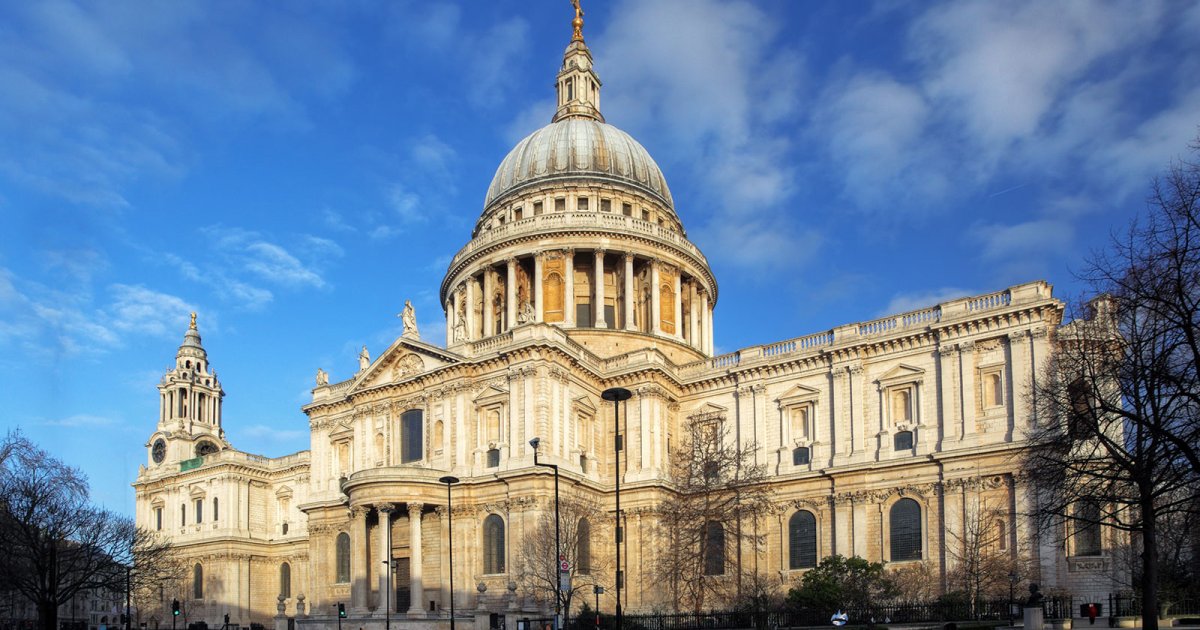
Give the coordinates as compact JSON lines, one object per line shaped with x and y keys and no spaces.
{"x":985,"y":567}
{"x":582,"y":526}
{"x":1116,"y":446}
{"x":56,"y":544}
{"x":717,"y":498}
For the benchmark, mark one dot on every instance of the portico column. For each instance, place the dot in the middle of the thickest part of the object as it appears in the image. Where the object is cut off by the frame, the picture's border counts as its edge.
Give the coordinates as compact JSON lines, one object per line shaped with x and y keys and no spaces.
{"x":599,"y":282}
{"x":679,"y":303}
{"x":694,"y":314}
{"x":510,"y":296}
{"x":385,"y":552}
{"x":655,"y":307}
{"x":451,"y":315}
{"x":630,"y":298}
{"x":537,"y":288}
{"x":358,"y":561}
{"x":416,"y":589}
{"x":470,"y":310}
{"x":489,"y":318}
{"x":569,"y":289}
{"x":706,"y":336}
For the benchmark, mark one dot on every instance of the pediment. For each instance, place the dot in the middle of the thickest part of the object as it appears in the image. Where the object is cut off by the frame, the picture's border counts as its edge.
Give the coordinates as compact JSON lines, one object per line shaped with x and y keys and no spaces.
{"x":196,"y":491}
{"x":284,"y":492}
{"x":490,"y":395}
{"x":403,"y":360}
{"x":708,"y":411}
{"x":584,"y":405}
{"x":902,"y":373}
{"x":797,"y":394}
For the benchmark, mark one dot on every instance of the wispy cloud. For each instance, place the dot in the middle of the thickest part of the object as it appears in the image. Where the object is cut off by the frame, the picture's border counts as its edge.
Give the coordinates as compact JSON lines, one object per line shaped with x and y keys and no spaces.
{"x":82,"y":421}
{"x":915,"y":300}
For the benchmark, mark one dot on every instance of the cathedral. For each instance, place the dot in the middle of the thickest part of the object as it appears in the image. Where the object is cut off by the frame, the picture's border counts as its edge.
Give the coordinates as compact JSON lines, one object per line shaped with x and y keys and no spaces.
{"x":885,"y":439}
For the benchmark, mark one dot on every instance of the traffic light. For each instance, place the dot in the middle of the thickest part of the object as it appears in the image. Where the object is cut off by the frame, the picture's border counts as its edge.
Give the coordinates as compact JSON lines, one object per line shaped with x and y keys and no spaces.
{"x":341,"y":610}
{"x":175,"y":607}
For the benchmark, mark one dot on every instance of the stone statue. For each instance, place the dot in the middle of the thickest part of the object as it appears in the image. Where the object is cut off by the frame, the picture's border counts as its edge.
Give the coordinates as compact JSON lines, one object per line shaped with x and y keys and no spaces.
{"x":460,"y":327}
{"x":1035,"y":596}
{"x":409,"y":317}
{"x":525,"y":313}
{"x":364,"y":359}
{"x":322,"y":377}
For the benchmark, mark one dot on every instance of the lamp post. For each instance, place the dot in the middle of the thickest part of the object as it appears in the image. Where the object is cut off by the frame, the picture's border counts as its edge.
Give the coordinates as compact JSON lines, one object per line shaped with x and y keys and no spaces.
{"x":449,"y":481}
{"x":616,"y":395}
{"x":557,"y":541}
{"x":1012,"y":583}
{"x":387,"y":597}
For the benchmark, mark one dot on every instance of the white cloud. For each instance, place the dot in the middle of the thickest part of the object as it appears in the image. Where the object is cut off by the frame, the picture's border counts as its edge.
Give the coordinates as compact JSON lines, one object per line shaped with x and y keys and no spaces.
{"x":1016,"y":241}
{"x":141,"y":311}
{"x":493,"y":55}
{"x":82,"y":420}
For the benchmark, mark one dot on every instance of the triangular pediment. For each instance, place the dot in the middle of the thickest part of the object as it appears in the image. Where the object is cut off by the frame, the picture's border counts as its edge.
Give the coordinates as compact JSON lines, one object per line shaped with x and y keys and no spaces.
{"x":491,"y":394}
{"x":584,"y":405}
{"x":799,"y":393}
{"x":900,"y":374}
{"x":403,"y":360}
{"x":708,"y":411}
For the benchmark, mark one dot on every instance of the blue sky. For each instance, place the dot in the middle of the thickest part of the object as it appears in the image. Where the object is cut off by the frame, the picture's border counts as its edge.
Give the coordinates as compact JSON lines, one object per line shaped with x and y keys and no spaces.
{"x":295,"y":171}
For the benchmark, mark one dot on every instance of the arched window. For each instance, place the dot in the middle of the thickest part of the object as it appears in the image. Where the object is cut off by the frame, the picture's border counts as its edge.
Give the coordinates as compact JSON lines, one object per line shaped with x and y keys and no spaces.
{"x":493,"y":544}
{"x":412,"y":442}
{"x":901,"y":405}
{"x":342,"y":561}
{"x":285,"y":580}
{"x":199,"y":511}
{"x":1001,"y":534}
{"x":802,"y":540}
{"x":714,"y":548}
{"x":493,"y":457}
{"x":584,"y":533}
{"x":216,"y":509}
{"x":436,"y":439}
{"x":905,"y":520}
{"x":903,"y":441}
{"x":197,"y":582}
{"x":800,"y":456}
{"x":183,"y":514}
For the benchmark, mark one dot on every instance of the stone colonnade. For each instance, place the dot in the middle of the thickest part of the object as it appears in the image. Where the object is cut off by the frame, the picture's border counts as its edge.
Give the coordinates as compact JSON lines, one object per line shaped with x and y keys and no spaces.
{"x":365,"y":564}
{"x":652,"y":296}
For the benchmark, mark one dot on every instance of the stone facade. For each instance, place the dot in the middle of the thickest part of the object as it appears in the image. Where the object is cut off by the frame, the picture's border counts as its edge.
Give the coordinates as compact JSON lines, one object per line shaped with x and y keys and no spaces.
{"x":579,"y":277}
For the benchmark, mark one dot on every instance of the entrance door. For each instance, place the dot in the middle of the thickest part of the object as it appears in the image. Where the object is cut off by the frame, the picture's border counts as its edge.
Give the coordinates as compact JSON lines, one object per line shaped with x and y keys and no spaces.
{"x":401,"y":580}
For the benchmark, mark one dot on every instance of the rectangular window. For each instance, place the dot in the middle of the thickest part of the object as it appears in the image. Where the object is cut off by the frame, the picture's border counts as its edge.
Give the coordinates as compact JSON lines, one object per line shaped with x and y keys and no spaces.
{"x":610,"y":315}
{"x":583,"y":315}
{"x":581,"y":204}
{"x":620,"y":443}
{"x":183,"y":515}
{"x":412,"y":441}
{"x":605,"y":205}
{"x":560,"y":204}
{"x":537,"y":208}
{"x":645,"y":214}
{"x":518,"y":213}
{"x":493,"y":458}
{"x":158,"y":519}
{"x":627,"y":209}
{"x":199,"y":510}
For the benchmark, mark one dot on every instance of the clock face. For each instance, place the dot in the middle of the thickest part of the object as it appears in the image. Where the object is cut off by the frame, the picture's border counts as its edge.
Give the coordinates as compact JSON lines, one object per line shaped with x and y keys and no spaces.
{"x":159,"y":451}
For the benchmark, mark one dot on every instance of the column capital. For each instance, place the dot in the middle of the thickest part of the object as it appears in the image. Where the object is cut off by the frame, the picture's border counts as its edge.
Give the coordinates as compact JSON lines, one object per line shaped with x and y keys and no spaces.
{"x":511,"y":260}
{"x":385,"y":508}
{"x":628,"y":256}
{"x":415,"y":509}
{"x":357,"y":512}
{"x":600,"y":251}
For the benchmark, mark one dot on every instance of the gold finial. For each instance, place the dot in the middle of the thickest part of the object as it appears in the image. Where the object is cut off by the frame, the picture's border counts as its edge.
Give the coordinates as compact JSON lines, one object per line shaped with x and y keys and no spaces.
{"x":193,"y":326}
{"x":577,"y":22}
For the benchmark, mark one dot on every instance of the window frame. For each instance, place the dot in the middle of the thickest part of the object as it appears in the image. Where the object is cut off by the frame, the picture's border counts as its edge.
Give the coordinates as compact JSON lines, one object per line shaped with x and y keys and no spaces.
{"x":898,"y":537}
{"x":797,"y":556}
{"x":494,"y":537}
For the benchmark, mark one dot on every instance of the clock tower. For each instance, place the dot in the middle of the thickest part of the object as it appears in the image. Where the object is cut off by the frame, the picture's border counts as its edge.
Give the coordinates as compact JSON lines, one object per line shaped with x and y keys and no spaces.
{"x":189,"y":410}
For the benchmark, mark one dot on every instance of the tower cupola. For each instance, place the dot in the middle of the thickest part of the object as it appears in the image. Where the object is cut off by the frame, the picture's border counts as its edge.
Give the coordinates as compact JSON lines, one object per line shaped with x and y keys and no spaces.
{"x":190,"y":394}
{"x":578,"y":85}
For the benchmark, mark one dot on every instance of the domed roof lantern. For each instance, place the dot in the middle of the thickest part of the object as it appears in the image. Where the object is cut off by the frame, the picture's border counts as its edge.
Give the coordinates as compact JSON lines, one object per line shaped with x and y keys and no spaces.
{"x":191,"y":347}
{"x":578,"y":86}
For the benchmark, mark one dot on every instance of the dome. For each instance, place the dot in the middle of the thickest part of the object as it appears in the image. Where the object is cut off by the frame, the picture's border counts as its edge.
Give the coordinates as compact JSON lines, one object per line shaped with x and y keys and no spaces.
{"x":579,"y":147}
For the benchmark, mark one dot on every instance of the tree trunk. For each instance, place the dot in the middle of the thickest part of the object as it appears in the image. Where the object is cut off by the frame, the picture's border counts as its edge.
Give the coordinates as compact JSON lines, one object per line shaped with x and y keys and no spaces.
{"x":1149,"y":566}
{"x":47,"y":615}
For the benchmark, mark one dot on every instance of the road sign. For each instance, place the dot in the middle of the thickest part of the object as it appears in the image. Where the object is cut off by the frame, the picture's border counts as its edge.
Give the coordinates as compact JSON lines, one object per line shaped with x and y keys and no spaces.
{"x":564,"y":566}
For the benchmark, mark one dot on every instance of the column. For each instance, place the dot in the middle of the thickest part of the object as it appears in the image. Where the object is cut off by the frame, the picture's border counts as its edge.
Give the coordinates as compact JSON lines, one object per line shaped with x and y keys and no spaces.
{"x":358,"y":560}
{"x":706,"y":336}
{"x":416,"y":589}
{"x":966,"y":354}
{"x":679,"y":303}
{"x":655,"y":312}
{"x":630,"y":298}
{"x":569,"y":289}
{"x":451,"y":315}
{"x":385,"y":553}
{"x":947,"y":416}
{"x":488,"y":318}
{"x":443,"y":512}
{"x":694,"y":315}
{"x":599,"y":282}
{"x":470,"y":310}
{"x":510,"y":295}
{"x":537,"y":288}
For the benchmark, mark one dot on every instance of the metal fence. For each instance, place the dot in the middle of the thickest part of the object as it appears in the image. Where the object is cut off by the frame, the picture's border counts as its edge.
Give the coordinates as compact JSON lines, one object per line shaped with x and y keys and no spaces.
{"x":1131,"y":606}
{"x":999,"y":611}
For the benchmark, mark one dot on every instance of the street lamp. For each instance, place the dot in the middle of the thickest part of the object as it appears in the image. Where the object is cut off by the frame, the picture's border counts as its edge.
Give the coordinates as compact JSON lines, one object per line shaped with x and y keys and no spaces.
{"x":598,"y":590}
{"x":1012,"y":583}
{"x":449,"y":481}
{"x":387,"y":597}
{"x":616,"y":395}
{"x":557,"y":543}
